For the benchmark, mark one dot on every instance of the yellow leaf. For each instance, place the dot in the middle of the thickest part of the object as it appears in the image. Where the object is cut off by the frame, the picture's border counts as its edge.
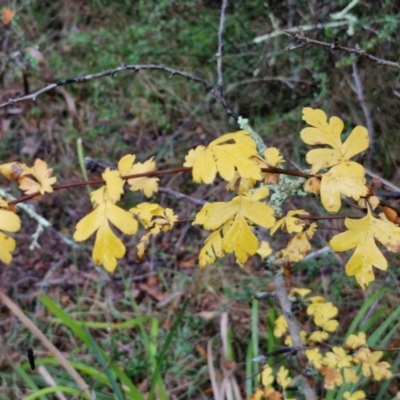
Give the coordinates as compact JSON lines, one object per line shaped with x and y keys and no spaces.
{"x":361,"y":235}
{"x":43,"y":182}
{"x":330,"y":134}
{"x":356,"y":341}
{"x":240,"y":239}
{"x":282,"y":377}
{"x":212,"y":248}
{"x":301,"y":292}
{"x":266,"y":377}
{"x":292,"y":224}
{"x":224,"y":158}
{"x":299,"y":244}
{"x":7,"y":246}
{"x":9,"y":222}
{"x":337,"y":358}
{"x":280,"y":327}
{"x":148,"y":186}
{"x":264,"y":250}
{"x":107,"y":248}
{"x":315,"y":357}
{"x":14,"y":170}
{"x":347,"y":179}
{"x":151,"y":214}
{"x":125,"y":164}
{"x":358,"y":395}
{"x":114,"y":185}
{"x":318,"y":336}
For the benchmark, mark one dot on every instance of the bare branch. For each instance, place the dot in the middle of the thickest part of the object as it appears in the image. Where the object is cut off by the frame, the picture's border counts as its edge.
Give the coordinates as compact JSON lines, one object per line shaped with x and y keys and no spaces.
{"x":299,"y":35}
{"x":123,"y":67}
{"x":221,"y":46}
{"x":180,"y":196}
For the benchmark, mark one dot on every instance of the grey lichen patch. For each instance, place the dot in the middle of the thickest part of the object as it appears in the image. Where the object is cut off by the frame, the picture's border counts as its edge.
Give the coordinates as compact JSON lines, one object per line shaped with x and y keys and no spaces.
{"x":284,"y":189}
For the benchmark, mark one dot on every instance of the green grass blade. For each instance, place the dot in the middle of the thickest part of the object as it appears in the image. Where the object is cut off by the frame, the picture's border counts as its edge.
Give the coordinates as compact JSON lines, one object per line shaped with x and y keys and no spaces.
{"x":163,"y":352}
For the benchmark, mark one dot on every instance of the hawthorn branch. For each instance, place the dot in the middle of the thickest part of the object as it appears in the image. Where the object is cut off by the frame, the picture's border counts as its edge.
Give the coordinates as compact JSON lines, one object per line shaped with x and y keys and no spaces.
{"x":357,"y":50}
{"x":124,"y":67}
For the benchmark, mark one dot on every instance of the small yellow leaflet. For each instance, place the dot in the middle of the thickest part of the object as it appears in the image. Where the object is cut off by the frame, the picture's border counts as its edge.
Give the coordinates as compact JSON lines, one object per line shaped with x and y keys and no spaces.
{"x":361,"y":235}
{"x":232,"y":219}
{"x":43,"y":180}
{"x":9,"y":222}
{"x":323,"y":132}
{"x":148,"y":186}
{"x":346,"y":178}
{"x":290,"y":222}
{"x":225,"y":158}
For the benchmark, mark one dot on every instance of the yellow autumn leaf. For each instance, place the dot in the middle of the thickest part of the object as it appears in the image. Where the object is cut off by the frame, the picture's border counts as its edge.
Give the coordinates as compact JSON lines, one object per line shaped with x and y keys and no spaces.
{"x":264,"y":250}
{"x":224,"y":158}
{"x":114,"y":185}
{"x":337,"y":358}
{"x":356,"y":341}
{"x":9,"y":222}
{"x":148,"y":186}
{"x":280,"y":327}
{"x":358,"y":395}
{"x":108,"y":247}
{"x":299,"y":245}
{"x":282,"y":377}
{"x":213,"y":215}
{"x":361,"y":235}
{"x":43,"y":180}
{"x":318,"y":336}
{"x":314,"y":356}
{"x":347,"y":179}
{"x":329,"y":133}
{"x":290,"y":222}
{"x":240,"y":239}
{"x":14,"y":170}
{"x":212,"y":248}
{"x":151,"y":214}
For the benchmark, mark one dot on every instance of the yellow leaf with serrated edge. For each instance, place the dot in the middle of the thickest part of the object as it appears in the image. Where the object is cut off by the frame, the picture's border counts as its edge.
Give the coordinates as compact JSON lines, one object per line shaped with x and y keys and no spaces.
{"x":233,"y":219}
{"x":347,"y":179}
{"x":330,"y":134}
{"x":280,"y":326}
{"x":282,"y":377}
{"x":43,"y":179}
{"x":264,"y":250}
{"x":212,"y":248}
{"x":240,"y":239}
{"x":14,"y":170}
{"x":9,"y":222}
{"x":361,"y":235}
{"x":224,"y":158}
{"x":318,"y":336}
{"x":108,"y":247}
{"x":114,"y":185}
{"x":148,"y":186}
{"x":299,"y":244}
{"x":292,"y":224}
{"x":151,"y":215}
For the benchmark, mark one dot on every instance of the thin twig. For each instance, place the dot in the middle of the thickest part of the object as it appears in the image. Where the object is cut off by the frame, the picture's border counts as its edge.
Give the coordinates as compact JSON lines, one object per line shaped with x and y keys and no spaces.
{"x":359,"y":90}
{"x":299,"y":35}
{"x":123,"y":67}
{"x":180,"y":196}
{"x":221,"y":46}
